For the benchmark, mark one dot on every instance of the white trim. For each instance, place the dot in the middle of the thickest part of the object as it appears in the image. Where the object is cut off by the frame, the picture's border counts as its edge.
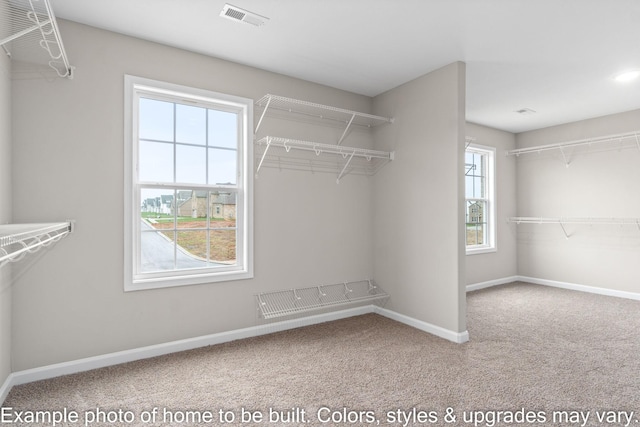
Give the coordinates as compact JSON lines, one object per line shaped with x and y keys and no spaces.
{"x":6,"y":387}
{"x":95,"y":362}
{"x":490,"y":283}
{"x":134,"y":280}
{"x":581,"y":288}
{"x":456,"y":337}
{"x":490,"y":200}
{"x":110,"y":359}
{"x":555,"y":284}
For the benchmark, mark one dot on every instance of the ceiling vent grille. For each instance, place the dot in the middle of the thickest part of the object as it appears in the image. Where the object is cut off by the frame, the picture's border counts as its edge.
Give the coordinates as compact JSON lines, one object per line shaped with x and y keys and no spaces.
{"x":237,"y":14}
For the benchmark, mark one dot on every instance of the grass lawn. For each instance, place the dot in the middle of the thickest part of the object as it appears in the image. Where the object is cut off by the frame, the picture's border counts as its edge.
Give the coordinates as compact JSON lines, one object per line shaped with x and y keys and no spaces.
{"x":191,"y":237}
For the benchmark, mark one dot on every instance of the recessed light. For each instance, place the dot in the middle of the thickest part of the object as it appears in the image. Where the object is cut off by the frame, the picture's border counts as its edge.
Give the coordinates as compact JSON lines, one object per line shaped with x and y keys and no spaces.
{"x":627,"y":76}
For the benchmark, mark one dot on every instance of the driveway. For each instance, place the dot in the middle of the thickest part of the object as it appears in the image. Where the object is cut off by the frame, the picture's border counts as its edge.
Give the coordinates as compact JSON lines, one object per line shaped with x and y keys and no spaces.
{"x":157,"y":253}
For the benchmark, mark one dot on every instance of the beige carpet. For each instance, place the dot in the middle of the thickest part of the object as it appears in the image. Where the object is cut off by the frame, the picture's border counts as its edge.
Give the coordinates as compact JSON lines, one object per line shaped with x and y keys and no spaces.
{"x":535,"y":353}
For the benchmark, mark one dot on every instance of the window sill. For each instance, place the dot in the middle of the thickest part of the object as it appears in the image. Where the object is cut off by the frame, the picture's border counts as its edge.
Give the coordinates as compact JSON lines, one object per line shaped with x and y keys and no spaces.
{"x":186,"y":280}
{"x":481,"y":250}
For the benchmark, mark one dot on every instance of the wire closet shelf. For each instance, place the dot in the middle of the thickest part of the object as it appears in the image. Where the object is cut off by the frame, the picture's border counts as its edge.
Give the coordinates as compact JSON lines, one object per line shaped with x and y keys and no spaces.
{"x":18,"y":240}
{"x":319,"y":111}
{"x":304,"y":300}
{"x":296,"y":154}
{"x":276,"y":152}
{"x":562,"y":222}
{"x":29,"y":33}
{"x":621,"y":140}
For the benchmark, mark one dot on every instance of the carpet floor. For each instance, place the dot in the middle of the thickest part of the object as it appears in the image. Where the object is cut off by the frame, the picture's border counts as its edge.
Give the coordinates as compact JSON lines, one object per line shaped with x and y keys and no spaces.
{"x":536,"y":356}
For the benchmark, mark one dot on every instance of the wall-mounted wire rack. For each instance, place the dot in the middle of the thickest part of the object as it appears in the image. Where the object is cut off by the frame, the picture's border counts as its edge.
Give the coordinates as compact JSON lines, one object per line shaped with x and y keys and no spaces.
{"x":319,"y":111}
{"x":566,"y":221}
{"x":303,"y":300}
{"x":294,"y":154}
{"x":617,"y":141}
{"x":29,"y":33}
{"x":18,"y":240}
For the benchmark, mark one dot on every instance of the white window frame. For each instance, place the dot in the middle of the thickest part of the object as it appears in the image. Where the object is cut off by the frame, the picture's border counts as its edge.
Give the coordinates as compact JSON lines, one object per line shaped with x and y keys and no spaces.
{"x":490,"y":201}
{"x":134,"y":279}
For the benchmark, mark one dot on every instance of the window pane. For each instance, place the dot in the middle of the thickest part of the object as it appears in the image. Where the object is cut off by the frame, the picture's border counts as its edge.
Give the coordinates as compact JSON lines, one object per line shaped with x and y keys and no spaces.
{"x":193,"y":245}
{"x":468,"y":187}
{"x":190,"y":164}
{"x":156,"y":250}
{"x":223,"y":129}
{"x":476,"y":222}
{"x":155,"y":120}
{"x":192,"y":209}
{"x":222,"y":209}
{"x":475,"y":234}
{"x":191,"y":124}
{"x":223,"y":166}
{"x":155,"y":162}
{"x":223,"y":246}
{"x":478,"y":187}
{"x":156,"y":205}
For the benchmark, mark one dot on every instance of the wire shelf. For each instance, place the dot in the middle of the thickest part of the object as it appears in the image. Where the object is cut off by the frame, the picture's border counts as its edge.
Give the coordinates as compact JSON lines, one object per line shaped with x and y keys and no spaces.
{"x":295,"y":301}
{"x":29,"y":33}
{"x":17,"y":240}
{"x":628,"y":140}
{"x":284,"y":153}
{"x":562,"y":222}
{"x":588,"y":221}
{"x":320,"y":111}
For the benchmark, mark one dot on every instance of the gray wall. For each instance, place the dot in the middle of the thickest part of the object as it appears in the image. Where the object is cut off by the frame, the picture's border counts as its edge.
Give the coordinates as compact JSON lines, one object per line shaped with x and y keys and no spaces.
{"x":5,"y":214}
{"x":68,"y":160}
{"x":308,"y":229}
{"x":419,"y":199}
{"x":601,"y":181}
{"x":502,"y":263}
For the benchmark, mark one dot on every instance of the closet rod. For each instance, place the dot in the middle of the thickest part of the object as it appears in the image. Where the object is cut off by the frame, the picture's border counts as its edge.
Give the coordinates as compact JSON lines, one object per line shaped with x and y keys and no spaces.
{"x":17,"y":240}
{"x":588,"y":141}
{"x":588,"y":221}
{"x":565,"y":221}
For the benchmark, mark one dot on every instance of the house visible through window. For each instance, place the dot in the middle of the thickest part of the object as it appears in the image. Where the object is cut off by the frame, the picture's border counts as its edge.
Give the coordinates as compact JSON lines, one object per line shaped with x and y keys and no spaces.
{"x":479,"y":189}
{"x":188,"y":216}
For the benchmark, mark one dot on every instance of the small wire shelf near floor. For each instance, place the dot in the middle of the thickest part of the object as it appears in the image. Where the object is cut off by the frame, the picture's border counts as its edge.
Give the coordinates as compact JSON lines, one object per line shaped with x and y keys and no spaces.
{"x":295,"y":301}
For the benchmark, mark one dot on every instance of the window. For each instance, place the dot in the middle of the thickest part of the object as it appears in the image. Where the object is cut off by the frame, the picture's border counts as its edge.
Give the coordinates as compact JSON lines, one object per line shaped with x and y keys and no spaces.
{"x":188,"y":198}
{"x":479,"y":174}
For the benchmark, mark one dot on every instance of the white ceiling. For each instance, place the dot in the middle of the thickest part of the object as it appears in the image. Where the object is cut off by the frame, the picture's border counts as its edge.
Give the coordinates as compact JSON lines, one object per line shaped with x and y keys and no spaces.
{"x":556,"y":57}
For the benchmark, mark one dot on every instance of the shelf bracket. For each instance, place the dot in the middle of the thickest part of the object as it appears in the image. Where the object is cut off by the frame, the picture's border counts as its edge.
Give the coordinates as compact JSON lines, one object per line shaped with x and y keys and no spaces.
{"x":266,"y":149}
{"x":345,"y":167}
{"x":637,"y":141}
{"x":344,"y":134}
{"x":564,"y":156}
{"x":563,"y":230}
{"x":266,"y":107}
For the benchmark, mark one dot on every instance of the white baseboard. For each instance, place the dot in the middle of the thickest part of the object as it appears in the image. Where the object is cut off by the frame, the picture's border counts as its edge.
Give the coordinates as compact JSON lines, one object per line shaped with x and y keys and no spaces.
{"x":86,"y":364}
{"x":6,"y":387}
{"x":110,"y":359}
{"x":490,"y":283}
{"x":456,"y":337}
{"x":581,"y":288}
{"x":555,"y":284}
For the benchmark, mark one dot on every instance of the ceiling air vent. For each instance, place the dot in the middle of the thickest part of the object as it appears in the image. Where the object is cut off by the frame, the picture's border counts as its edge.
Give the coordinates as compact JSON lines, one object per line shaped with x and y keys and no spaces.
{"x":237,"y":14}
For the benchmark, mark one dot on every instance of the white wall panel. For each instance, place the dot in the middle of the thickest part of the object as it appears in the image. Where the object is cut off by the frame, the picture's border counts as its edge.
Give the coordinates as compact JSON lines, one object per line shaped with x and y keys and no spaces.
{"x":602,"y":182}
